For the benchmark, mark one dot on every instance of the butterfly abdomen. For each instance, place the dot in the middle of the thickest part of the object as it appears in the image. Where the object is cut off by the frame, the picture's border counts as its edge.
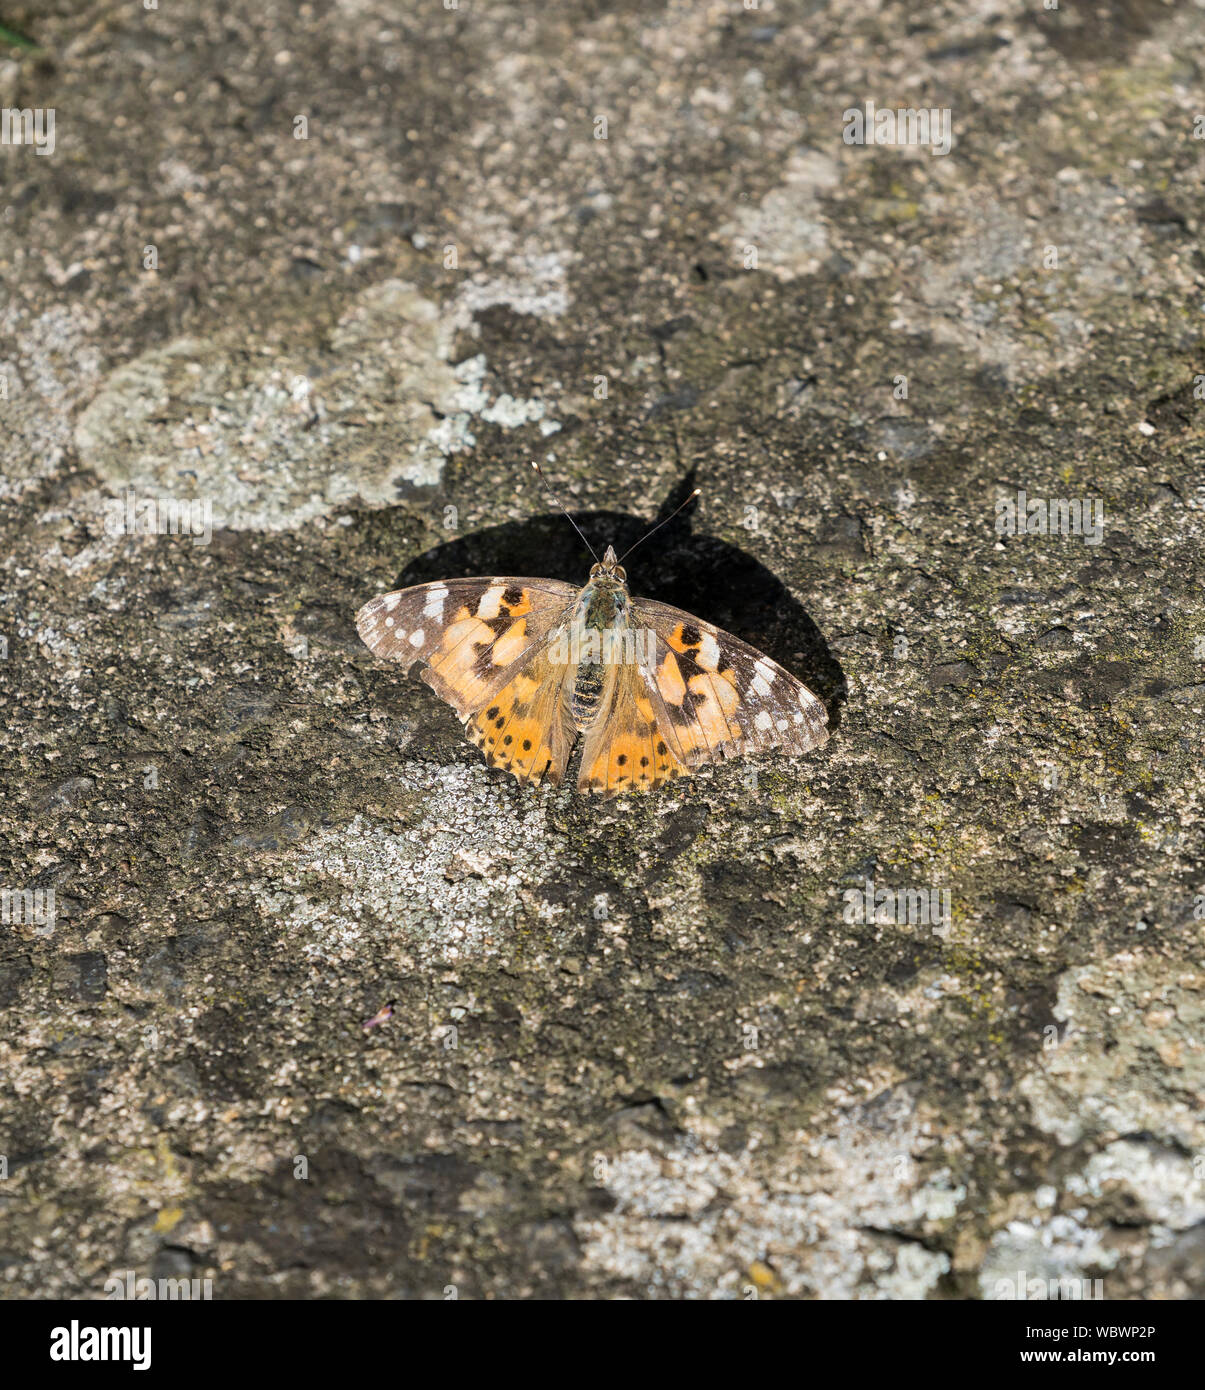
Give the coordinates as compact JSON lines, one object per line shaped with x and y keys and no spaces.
{"x":600,"y":642}
{"x":587,"y":694}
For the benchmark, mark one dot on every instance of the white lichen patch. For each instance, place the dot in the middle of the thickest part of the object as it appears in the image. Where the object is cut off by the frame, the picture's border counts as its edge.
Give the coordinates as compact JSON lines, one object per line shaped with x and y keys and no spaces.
{"x":787,"y":230}
{"x":471,"y":401}
{"x":1024,"y":292}
{"x":356,"y":889}
{"x":534,"y":282}
{"x":833,"y":1216}
{"x":1132,"y":1058}
{"x":1161,"y":1184}
{"x":272,"y":439}
{"x":48,"y":367}
{"x":1058,"y":1257}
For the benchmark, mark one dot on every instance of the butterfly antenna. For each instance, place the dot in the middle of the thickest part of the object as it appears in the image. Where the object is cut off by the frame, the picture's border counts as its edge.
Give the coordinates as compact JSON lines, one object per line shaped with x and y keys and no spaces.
{"x":659,"y":525}
{"x":556,"y":501}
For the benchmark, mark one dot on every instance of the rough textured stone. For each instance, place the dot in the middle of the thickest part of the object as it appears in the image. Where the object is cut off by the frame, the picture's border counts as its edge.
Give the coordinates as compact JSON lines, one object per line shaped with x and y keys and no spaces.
{"x":652,"y":1047}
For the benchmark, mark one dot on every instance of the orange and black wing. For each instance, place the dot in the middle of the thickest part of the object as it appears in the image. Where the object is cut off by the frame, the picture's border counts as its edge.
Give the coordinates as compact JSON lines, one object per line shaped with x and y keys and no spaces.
{"x":484,"y":644}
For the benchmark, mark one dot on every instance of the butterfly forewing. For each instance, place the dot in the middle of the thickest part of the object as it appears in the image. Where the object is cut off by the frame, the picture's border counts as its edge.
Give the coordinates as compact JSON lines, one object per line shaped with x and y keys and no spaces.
{"x":473,"y":635}
{"x":720,"y":696}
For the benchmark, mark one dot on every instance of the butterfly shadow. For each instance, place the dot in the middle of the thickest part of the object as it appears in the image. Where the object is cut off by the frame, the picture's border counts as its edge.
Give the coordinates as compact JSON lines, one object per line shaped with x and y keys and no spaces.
{"x":701,"y":574}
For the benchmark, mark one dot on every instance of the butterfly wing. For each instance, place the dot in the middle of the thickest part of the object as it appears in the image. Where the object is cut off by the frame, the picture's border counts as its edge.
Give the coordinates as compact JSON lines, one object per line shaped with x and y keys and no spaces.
{"x":474,"y":636}
{"x":526,"y":728}
{"x":626,"y":749}
{"x":717,"y":697}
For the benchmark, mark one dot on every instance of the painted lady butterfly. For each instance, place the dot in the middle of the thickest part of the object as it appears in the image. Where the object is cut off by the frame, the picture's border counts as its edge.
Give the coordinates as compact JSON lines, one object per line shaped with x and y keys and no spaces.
{"x":528,"y":664}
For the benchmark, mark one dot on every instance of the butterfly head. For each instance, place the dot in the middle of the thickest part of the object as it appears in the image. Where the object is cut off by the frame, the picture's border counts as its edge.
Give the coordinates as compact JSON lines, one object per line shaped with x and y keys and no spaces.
{"x":603,"y":603}
{"x":609,"y":568}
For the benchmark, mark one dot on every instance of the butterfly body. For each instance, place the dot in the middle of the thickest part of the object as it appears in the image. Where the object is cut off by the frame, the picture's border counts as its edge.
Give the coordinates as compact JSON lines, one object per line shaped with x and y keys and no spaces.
{"x":602,"y":608}
{"x":531,"y":664}
{"x":586,"y":701}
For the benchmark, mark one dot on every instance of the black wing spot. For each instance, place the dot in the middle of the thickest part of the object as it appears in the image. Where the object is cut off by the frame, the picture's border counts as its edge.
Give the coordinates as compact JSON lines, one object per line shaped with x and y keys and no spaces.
{"x":644,"y":762}
{"x":527,"y":745}
{"x":492,"y":713}
{"x":623,"y":757}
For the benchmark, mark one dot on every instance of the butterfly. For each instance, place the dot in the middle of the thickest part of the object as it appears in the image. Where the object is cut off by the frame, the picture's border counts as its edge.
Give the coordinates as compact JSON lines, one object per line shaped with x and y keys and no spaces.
{"x":530,"y":664}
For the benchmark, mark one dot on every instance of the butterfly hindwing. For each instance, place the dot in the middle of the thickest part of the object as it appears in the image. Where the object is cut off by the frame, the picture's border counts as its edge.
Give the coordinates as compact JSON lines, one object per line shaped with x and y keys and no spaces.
{"x":718,"y":697}
{"x":625,"y":748}
{"x":526,"y":728}
{"x":472,"y":635}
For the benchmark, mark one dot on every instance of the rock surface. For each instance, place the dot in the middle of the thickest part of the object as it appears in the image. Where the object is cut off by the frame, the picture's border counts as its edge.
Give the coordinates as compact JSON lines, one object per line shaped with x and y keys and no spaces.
{"x":652,"y":1047}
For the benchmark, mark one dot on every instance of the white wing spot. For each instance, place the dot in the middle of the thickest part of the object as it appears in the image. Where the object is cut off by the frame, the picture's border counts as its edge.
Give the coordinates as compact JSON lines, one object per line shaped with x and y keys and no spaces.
{"x":784,"y":724}
{"x":760,"y":684}
{"x":416,"y":638}
{"x":388,"y":622}
{"x":709,"y":652}
{"x":435,"y":603}
{"x":491,"y":600}
{"x":390,"y":601}
{"x":763,"y":720}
